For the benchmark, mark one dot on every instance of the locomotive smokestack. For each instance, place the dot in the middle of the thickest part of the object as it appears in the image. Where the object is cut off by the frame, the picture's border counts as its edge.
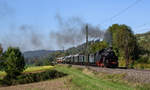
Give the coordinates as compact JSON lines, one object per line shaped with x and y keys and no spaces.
{"x":86,"y":51}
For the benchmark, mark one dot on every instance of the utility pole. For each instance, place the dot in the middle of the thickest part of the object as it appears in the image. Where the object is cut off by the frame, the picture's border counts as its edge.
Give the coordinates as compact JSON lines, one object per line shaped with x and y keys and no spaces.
{"x":86,"y":49}
{"x":63,"y":50}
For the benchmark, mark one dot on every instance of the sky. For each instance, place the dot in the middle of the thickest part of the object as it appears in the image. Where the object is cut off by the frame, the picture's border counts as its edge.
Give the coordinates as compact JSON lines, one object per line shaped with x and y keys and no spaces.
{"x":40,"y":16}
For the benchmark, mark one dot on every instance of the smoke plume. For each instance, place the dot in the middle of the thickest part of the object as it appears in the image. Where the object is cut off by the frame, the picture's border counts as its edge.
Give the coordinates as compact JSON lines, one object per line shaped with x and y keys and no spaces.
{"x":108,"y":37}
{"x":94,"y":32}
{"x":34,"y":37}
{"x":26,"y":37}
{"x":71,"y":32}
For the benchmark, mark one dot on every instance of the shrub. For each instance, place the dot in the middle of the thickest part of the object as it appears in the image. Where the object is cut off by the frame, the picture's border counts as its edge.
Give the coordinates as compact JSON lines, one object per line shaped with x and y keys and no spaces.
{"x":34,"y":77}
{"x":14,"y":63}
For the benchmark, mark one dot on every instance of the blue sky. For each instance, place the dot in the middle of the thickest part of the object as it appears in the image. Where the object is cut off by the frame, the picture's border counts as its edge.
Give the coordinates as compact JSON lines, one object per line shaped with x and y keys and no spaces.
{"x":41,"y":14}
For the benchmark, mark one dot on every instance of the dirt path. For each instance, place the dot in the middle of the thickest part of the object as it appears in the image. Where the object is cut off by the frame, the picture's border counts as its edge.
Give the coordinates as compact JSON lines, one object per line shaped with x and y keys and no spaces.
{"x":57,"y":84}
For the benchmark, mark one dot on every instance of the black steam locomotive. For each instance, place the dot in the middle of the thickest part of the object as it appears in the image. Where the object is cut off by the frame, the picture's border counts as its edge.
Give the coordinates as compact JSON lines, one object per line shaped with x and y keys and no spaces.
{"x":106,"y":58}
{"x":103,"y":58}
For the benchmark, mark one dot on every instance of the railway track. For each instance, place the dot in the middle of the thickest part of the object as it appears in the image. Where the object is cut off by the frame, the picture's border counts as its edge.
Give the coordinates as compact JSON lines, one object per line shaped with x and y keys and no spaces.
{"x":135,"y":75}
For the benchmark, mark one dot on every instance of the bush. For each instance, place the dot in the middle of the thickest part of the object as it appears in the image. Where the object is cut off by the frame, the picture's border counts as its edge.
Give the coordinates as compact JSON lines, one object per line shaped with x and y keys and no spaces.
{"x":33,"y":77}
{"x":14,"y":63}
{"x":143,"y":59}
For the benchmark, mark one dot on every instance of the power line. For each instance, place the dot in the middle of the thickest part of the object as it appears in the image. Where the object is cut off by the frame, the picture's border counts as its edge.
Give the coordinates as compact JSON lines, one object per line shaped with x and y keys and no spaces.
{"x":139,"y":26}
{"x":124,"y":10}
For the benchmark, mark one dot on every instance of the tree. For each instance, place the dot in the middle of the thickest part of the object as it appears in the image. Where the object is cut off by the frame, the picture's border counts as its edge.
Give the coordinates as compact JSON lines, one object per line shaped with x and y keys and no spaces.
{"x":97,"y":46}
{"x":1,"y":59}
{"x":108,"y":37}
{"x":14,"y":63}
{"x":48,"y":61}
{"x":124,"y":41}
{"x":1,"y":50}
{"x":111,"y":35}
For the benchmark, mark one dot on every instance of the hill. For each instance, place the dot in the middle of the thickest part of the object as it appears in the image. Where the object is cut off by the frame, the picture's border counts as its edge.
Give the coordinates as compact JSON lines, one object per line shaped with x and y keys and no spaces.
{"x":37,"y":53}
{"x":143,"y":37}
{"x":80,"y":49}
{"x":144,"y":40}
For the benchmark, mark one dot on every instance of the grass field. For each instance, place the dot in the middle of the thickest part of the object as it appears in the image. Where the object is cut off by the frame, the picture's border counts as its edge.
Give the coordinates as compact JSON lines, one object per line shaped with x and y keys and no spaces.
{"x":31,"y":70}
{"x":77,"y":79}
{"x":54,"y":84}
{"x":38,"y":68}
{"x":86,"y":81}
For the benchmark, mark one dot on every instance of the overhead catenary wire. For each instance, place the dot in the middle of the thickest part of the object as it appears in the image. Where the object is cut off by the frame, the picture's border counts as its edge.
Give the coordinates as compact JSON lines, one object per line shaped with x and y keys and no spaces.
{"x":142,"y":27}
{"x":122,"y":11}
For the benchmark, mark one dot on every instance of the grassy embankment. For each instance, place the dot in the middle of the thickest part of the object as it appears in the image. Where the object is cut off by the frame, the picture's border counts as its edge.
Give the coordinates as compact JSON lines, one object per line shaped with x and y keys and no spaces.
{"x":86,"y":80}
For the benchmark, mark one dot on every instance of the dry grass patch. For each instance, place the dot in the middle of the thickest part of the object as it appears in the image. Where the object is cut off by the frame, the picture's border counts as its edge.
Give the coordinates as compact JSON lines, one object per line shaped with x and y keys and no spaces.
{"x":57,"y":84}
{"x":88,"y":72}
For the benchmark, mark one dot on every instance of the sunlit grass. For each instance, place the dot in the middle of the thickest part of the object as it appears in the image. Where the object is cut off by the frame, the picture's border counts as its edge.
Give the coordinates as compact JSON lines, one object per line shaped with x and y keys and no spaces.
{"x":38,"y":68}
{"x":30,"y":69}
{"x":2,"y":73}
{"x":87,"y":80}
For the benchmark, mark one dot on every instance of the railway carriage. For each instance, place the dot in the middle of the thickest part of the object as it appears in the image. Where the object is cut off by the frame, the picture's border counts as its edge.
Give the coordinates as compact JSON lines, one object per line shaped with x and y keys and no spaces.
{"x":60,"y":60}
{"x":76,"y":59}
{"x":81,"y":59}
{"x":103,"y":58}
{"x":72,"y":59}
{"x":67,"y":59}
{"x":91,"y":58}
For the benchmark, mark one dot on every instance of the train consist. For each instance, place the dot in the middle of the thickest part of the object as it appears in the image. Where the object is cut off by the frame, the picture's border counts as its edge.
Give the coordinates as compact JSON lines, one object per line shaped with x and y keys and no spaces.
{"x":103,"y":58}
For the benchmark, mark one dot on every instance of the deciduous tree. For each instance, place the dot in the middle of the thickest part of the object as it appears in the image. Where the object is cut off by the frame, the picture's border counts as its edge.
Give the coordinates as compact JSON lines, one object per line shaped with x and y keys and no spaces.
{"x":97,"y":46}
{"x":124,"y":41}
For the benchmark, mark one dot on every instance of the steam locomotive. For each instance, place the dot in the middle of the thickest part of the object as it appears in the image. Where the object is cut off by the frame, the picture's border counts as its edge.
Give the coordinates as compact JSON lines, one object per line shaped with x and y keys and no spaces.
{"x":103,"y":58}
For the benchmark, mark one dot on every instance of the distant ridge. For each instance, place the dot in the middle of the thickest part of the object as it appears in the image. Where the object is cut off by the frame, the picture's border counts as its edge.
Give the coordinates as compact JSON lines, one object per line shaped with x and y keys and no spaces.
{"x":37,"y":53}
